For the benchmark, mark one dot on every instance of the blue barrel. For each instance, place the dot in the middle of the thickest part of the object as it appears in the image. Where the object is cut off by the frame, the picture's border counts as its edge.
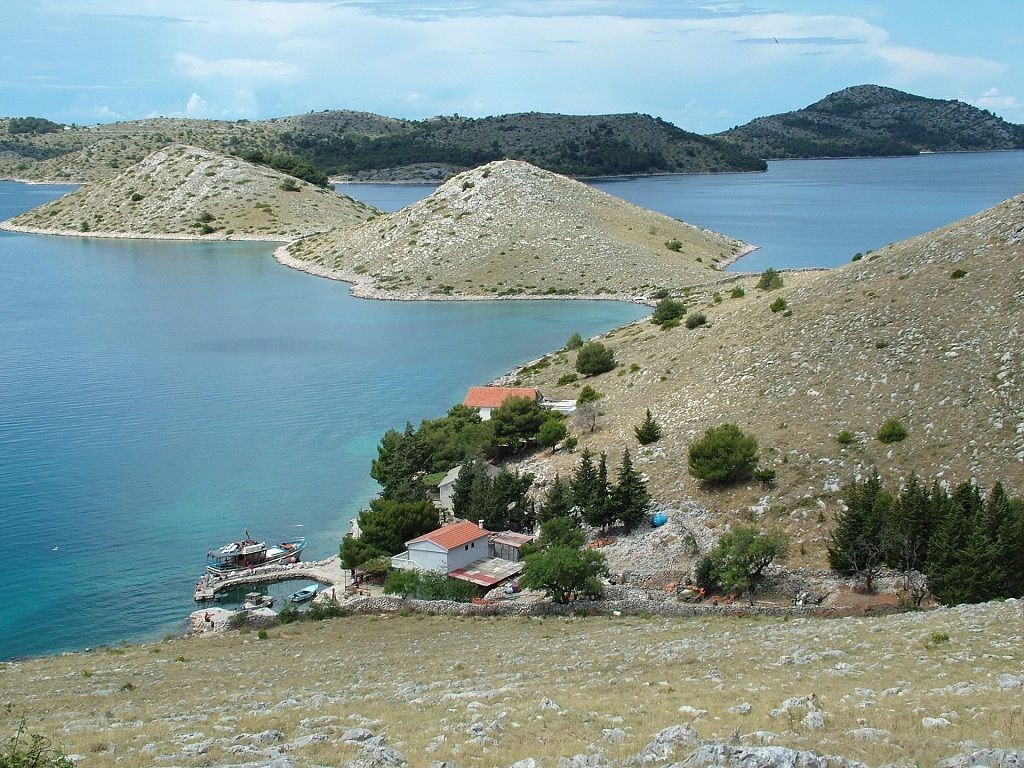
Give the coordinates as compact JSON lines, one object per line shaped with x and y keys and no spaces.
{"x":659,"y":519}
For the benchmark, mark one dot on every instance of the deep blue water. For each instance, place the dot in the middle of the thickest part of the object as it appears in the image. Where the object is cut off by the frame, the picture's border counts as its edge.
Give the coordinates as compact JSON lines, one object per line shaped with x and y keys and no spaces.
{"x":157,"y":398}
{"x":808,"y":213}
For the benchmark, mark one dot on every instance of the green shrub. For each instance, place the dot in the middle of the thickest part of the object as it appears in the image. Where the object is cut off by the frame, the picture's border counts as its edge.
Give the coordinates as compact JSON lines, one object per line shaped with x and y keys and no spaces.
{"x":737,"y":292}
{"x":668,"y":325}
{"x":661,"y":293}
{"x":846,"y":437}
{"x":594,"y":358}
{"x":262,"y":635}
{"x":723,"y":455}
{"x":575,"y":342}
{"x":674,"y":245}
{"x":765,"y":476}
{"x":568,"y":378}
{"x":892,"y":432}
{"x":956,"y":274}
{"x":35,"y":751}
{"x":135,"y":197}
{"x":668,"y":309}
{"x":770,"y":280}
{"x":779,"y":305}
{"x":716,"y":298}
{"x":588,"y":395}
{"x":857,"y":257}
{"x":696,"y":320}
{"x":288,"y":186}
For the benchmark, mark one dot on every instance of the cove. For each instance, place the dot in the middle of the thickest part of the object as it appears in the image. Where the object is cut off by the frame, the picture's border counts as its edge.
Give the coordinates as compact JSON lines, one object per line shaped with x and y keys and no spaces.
{"x":156,"y":398}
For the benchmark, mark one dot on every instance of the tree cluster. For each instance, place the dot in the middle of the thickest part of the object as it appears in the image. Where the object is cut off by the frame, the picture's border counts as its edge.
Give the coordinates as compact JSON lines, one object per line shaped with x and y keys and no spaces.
{"x":286,"y":163}
{"x":599,"y":502}
{"x":34,"y":125}
{"x":500,"y":501}
{"x":385,"y":527}
{"x":969,"y":547}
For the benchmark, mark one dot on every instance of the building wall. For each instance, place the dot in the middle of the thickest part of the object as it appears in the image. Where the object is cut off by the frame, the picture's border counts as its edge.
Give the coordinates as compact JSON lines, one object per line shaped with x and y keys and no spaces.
{"x":446,"y":492}
{"x":485,"y":414}
{"x":428,"y":557}
{"x":467,"y":553}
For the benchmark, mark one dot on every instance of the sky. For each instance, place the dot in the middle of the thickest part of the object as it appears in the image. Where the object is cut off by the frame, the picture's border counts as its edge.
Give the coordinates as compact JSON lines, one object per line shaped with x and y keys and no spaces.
{"x":705,"y":65}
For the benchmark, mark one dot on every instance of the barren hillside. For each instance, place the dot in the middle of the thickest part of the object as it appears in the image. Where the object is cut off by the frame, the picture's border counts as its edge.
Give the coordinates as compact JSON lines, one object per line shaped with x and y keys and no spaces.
{"x":509,"y":228}
{"x":929,"y":331}
{"x":386,"y":691}
{"x":184,"y":191}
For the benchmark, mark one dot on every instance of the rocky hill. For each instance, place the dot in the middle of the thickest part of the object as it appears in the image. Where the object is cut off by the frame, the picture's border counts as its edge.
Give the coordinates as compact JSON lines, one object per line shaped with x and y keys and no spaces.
{"x":509,"y":228}
{"x":869,"y":120}
{"x":927,"y":331}
{"x":183,"y":191}
{"x":577,"y":145}
{"x":384,"y":691}
{"x":373,"y":147}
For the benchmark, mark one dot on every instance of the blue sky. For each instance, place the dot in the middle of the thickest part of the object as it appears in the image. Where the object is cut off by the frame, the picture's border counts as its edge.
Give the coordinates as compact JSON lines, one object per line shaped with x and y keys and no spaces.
{"x":704,"y":65}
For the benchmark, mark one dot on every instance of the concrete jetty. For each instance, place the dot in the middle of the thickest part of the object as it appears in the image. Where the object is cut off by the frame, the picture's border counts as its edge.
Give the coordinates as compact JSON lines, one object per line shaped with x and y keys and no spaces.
{"x":328,"y":573}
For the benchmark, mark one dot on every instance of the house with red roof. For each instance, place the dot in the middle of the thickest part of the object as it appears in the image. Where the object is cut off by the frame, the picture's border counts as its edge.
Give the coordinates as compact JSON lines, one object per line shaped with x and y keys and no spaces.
{"x":464,"y":550}
{"x":486,"y":399}
{"x":444,"y":550}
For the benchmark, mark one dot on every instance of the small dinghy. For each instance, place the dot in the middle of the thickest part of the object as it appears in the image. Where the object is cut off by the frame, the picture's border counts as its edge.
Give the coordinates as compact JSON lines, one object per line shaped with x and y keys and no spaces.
{"x":308,"y":592}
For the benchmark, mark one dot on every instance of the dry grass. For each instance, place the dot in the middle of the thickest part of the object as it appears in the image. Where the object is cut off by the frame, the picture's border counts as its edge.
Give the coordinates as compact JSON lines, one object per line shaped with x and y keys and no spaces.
{"x":421,"y":678}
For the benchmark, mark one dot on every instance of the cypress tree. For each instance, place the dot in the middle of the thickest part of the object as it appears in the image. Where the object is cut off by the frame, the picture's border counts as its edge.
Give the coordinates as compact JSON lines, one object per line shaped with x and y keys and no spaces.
{"x":584,"y":483}
{"x":856,"y":546}
{"x":599,"y":514}
{"x":629,"y":499}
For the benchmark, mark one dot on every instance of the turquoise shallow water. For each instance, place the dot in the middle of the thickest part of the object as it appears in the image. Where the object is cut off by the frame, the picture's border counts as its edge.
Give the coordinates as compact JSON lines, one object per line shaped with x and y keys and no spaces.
{"x":156,"y":398}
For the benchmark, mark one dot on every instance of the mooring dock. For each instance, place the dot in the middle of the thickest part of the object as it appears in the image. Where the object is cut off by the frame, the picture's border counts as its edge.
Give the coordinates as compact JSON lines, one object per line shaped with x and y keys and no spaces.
{"x":327,"y":573}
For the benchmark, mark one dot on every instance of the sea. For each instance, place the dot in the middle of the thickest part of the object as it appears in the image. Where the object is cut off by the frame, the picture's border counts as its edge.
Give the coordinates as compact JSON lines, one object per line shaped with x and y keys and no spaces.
{"x":159,"y":398}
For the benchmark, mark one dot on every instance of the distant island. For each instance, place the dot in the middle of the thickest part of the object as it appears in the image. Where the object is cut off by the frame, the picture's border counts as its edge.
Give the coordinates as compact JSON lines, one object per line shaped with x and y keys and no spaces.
{"x":346,"y":145}
{"x":872,"y":121}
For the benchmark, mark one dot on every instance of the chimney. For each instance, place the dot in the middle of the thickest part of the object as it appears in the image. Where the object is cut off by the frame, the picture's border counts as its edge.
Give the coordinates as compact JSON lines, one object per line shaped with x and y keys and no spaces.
{"x":481,"y":524}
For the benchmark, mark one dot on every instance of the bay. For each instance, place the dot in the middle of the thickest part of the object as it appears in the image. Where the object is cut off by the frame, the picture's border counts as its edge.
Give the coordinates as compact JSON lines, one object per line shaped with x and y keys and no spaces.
{"x":157,"y":398}
{"x":807,"y":213}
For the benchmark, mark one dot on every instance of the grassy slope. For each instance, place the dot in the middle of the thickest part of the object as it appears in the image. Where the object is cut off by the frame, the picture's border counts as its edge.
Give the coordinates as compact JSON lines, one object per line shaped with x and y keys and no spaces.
{"x":171,"y":191}
{"x":425,"y":680}
{"x":508,"y":227}
{"x":891,"y":336}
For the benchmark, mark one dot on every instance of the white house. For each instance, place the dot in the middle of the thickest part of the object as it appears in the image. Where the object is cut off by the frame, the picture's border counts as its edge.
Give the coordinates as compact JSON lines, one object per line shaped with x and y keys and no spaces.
{"x":447,"y":549}
{"x":446,"y":488}
{"x":486,"y":399}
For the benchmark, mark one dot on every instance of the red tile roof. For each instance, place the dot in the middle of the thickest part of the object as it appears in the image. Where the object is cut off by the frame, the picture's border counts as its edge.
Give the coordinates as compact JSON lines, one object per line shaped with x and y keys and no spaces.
{"x":453,"y":535}
{"x":493,"y":397}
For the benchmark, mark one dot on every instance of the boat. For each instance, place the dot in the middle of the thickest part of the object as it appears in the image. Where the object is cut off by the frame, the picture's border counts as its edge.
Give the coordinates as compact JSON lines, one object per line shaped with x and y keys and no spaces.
{"x":239,"y":556}
{"x":255,"y":600}
{"x":306,"y":593}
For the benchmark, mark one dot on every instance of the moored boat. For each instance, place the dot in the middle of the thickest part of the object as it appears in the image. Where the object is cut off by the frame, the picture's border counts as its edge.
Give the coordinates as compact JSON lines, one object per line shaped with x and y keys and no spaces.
{"x":247,"y":553}
{"x":255,"y":600}
{"x":308,"y":592}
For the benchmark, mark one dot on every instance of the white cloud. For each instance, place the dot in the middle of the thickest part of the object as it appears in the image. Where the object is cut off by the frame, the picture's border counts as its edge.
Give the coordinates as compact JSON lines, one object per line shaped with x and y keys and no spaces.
{"x":993,"y":98}
{"x":196,"y":106}
{"x":259,"y":70}
{"x":915,"y":65}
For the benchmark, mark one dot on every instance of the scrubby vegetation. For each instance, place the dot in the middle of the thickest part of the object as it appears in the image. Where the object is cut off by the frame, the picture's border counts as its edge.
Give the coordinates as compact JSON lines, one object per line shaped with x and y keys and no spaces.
{"x":594,"y":358}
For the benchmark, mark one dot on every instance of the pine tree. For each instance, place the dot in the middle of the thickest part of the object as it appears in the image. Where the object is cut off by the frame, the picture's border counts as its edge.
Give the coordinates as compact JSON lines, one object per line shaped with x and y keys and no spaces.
{"x":648,"y":431}
{"x":557,"y":501}
{"x":584,"y":483}
{"x":629,"y":499}
{"x":598,"y":512}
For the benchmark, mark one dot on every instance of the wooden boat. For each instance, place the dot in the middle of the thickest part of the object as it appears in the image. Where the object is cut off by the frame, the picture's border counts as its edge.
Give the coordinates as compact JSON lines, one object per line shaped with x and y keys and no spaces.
{"x":308,"y":592}
{"x":255,"y":600}
{"x":239,"y":556}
